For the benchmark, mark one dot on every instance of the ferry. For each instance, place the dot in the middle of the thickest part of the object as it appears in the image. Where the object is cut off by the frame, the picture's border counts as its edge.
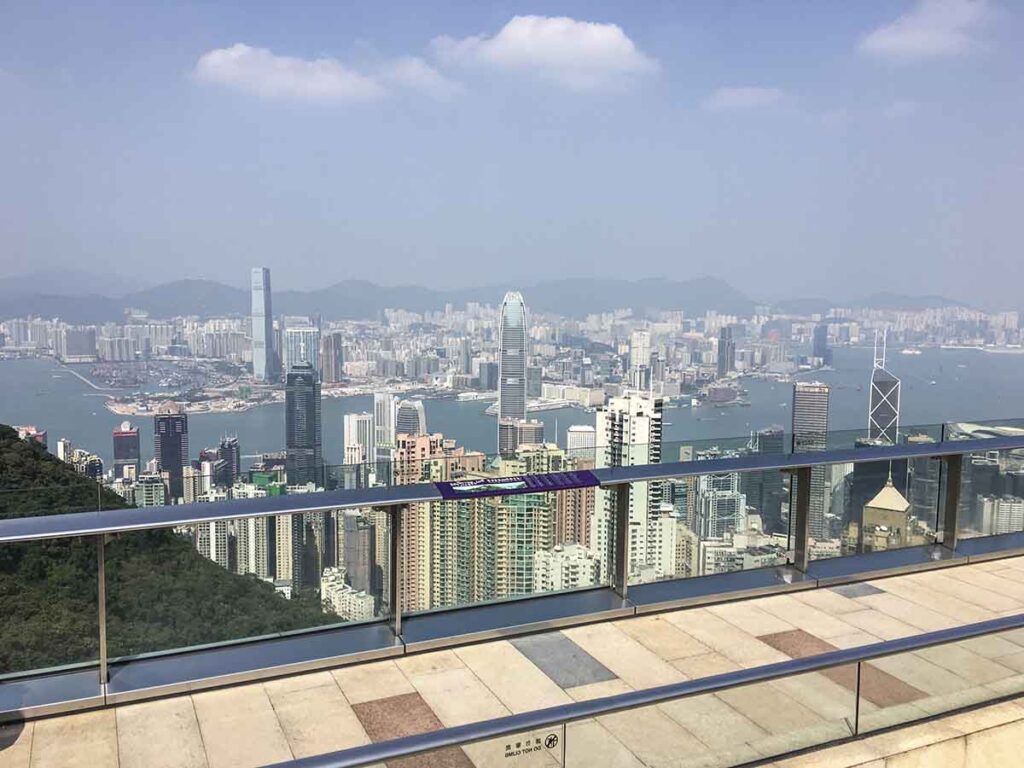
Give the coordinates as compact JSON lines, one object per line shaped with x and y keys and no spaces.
{"x":910,"y":351}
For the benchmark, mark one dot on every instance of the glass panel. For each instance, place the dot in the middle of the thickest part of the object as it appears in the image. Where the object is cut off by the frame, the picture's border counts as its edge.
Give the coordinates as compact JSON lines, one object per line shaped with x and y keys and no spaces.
{"x":48,"y":605}
{"x":233,"y":580}
{"x":745,"y":724}
{"x":991,"y":493}
{"x":909,"y":686}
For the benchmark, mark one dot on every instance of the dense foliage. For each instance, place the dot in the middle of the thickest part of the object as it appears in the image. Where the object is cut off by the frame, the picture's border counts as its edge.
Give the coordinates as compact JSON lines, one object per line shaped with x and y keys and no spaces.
{"x":161,"y":593}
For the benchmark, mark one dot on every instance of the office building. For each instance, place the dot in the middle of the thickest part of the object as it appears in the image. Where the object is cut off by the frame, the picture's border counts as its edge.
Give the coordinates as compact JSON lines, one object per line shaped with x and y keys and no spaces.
{"x":410,"y":418}
{"x":332,"y":358}
{"x":303,"y":436}
{"x":230,"y":453}
{"x":127,"y":456}
{"x":358,"y":438}
{"x":512,"y":330}
{"x":810,"y":433}
{"x":264,"y":359}
{"x":884,"y":403}
{"x":819,"y":345}
{"x":170,"y":446}
{"x":580,"y":440}
{"x":726,"y":352}
{"x":301,"y":344}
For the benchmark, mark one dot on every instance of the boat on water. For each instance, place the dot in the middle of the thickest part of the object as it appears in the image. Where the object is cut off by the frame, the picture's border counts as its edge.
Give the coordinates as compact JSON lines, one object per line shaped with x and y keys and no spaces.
{"x":910,"y":351}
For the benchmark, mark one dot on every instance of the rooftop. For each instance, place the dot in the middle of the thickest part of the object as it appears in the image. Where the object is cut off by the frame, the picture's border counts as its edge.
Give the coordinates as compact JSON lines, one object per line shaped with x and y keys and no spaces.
{"x":311,"y":714}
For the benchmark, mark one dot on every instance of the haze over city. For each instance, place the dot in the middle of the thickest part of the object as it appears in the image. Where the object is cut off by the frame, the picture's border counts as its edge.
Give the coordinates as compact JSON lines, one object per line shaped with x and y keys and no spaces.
{"x":794,"y":150}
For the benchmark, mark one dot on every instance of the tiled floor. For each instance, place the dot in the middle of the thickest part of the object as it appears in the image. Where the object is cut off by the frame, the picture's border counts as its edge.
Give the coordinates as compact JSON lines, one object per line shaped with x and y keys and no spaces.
{"x":325,"y":711}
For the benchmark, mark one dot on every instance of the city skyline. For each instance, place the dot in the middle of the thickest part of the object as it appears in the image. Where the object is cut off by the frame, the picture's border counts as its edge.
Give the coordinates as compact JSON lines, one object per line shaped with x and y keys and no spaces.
{"x":753,"y":145}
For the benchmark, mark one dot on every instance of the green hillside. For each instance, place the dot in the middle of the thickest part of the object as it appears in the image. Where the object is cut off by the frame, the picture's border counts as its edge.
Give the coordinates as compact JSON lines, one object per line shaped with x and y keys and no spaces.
{"x":161,"y":594}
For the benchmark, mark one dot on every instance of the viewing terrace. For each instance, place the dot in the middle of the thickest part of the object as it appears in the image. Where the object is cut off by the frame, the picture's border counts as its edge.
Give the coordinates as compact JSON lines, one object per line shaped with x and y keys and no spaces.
{"x":910,"y":637}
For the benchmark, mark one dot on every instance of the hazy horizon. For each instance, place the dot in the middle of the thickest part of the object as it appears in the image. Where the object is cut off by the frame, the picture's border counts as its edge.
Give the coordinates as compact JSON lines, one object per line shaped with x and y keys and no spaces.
{"x":791,"y":150}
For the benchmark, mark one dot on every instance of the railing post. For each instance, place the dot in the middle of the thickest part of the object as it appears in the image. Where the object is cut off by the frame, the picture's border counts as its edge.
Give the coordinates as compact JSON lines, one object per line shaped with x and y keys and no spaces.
{"x":856,"y":704}
{"x":395,"y":570}
{"x":800,"y":517}
{"x":620,"y":575}
{"x":952,"y":468}
{"x":101,"y":598}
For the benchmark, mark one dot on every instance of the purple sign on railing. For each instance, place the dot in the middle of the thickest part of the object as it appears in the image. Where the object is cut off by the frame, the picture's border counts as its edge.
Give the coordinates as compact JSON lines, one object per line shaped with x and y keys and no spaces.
{"x":508,"y":486}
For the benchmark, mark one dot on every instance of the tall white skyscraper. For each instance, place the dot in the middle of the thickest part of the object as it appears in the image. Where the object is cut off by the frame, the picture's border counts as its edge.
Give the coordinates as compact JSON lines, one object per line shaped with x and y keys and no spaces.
{"x":511,"y":363}
{"x":385,"y":418}
{"x":580,"y":440}
{"x":264,"y":366}
{"x":884,"y":404}
{"x":359,"y":443}
{"x":810,"y":433}
{"x":629,"y":434}
{"x":639,"y":358}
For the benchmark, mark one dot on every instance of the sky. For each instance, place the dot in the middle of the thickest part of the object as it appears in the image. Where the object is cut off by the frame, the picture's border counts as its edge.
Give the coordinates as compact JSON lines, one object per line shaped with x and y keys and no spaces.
{"x":795,"y":149}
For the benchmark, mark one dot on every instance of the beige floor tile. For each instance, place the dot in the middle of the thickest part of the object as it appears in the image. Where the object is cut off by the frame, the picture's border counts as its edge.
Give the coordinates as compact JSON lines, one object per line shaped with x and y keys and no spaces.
{"x":661,"y":636}
{"x":828,"y":601}
{"x":924,"y":619}
{"x":654,"y":737}
{"x":716,"y":724}
{"x":458,"y":697}
{"x":963,"y":663}
{"x":589,"y":744}
{"x":990,"y":582}
{"x":160,"y":734}
{"x":88,"y":739}
{"x":854,"y":639}
{"x":318,"y":720}
{"x":969,"y":593}
{"x":422,"y":663}
{"x":598,"y":690}
{"x":16,"y":744}
{"x":995,"y":747}
{"x":774,"y":711}
{"x":1014,"y":661}
{"x":366,"y":682}
{"x":724,"y":638}
{"x":705,"y":665}
{"x":880,"y":624}
{"x":240,"y":728}
{"x":821,"y":695}
{"x":624,"y":656}
{"x":806,"y":617}
{"x":810,"y":736}
{"x":517,"y":682}
{"x":532,"y":753}
{"x":921,"y":673}
{"x":298,"y":682}
{"x":750,"y":618}
{"x":955,"y":608}
{"x":991,"y":646}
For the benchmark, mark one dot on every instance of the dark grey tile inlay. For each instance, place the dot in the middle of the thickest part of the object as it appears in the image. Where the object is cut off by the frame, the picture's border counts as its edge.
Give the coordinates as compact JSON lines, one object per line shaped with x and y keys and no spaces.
{"x":562,"y":660}
{"x":856,"y":590}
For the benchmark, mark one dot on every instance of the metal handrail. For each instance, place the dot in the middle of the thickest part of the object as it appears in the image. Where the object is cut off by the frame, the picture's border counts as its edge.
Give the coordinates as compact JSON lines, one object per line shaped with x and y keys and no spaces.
{"x":96,"y":523}
{"x":555,"y":716}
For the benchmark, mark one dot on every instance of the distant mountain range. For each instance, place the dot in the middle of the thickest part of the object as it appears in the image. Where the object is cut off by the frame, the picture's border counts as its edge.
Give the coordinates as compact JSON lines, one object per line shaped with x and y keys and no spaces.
{"x":358,"y":299}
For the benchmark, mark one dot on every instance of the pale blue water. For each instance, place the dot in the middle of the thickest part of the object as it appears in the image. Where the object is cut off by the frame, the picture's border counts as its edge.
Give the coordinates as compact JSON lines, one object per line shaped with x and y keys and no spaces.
{"x":970,"y":385}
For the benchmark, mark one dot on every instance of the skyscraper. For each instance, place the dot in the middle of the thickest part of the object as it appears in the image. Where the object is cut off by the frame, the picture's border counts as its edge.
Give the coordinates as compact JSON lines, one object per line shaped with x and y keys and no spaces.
{"x":810,"y":433}
{"x":358,"y":438}
{"x":763,"y":489}
{"x":264,"y":361}
{"x":511,"y":361}
{"x":819,"y":346}
{"x":628,"y":434}
{"x":302,"y":345}
{"x":726,"y":352}
{"x":639,"y":359}
{"x":332,"y":358}
{"x":410,"y":418}
{"x":884,"y":403}
{"x":126,"y":451}
{"x":304,"y":463}
{"x":230,"y":453}
{"x":170,"y":445}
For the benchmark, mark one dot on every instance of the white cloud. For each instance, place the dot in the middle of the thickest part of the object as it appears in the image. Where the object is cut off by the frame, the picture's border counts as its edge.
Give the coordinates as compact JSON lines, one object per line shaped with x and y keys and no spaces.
{"x":578,"y":55}
{"x":742,"y":97}
{"x":931,"y":29}
{"x":261,"y":72}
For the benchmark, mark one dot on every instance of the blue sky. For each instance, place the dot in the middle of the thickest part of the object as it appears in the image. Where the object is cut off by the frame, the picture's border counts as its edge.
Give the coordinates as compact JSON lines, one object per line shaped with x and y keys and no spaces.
{"x":792,"y":148}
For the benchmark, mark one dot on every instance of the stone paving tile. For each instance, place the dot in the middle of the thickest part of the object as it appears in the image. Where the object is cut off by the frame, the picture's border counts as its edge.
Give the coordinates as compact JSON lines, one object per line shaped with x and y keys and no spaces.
{"x":16,"y":744}
{"x":930,"y":678}
{"x":598,"y":690}
{"x":654,"y":737}
{"x":283,"y":685}
{"x":968,"y":593}
{"x":880,"y":624}
{"x":963,"y":612}
{"x":435,"y":661}
{"x":877,"y":686}
{"x":458,"y":697}
{"x":365,"y":682}
{"x":589,"y":744}
{"x":628,"y":659}
{"x":88,"y":739}
{"x":716,"y":724}
{"x":828,"y":601}
{"x":722,"y":637}
{"x":854,"y":639}
{"x":990,"y":581}
{"x":661,"y":636}
{"x":862,"y":589}
{"x":750,"y":618}
{"x":969,"y":666}
{"x":805,"y":617}
{"x":924,"y":619}
{"x":517,"y":682}
{"x":705,"y":665}
{"x":770,"y":708}
{"x":317,"y":720}
{"x":407,"y":715}
{"x":240,"y":728}
{"x":562,"y":660}
{"x":160,"y":734}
